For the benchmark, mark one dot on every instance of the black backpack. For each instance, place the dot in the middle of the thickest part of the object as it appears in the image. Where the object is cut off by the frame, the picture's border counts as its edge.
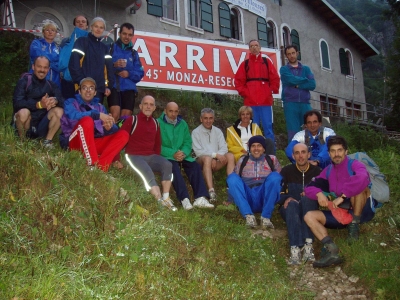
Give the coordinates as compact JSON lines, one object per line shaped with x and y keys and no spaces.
{"x":246,"y":68}
{"x":320,"y":136}
{"x":246,"y":158}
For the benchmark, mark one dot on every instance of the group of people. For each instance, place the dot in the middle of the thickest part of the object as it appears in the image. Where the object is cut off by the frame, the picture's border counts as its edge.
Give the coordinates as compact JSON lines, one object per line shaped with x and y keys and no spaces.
{"x":256,"y":181}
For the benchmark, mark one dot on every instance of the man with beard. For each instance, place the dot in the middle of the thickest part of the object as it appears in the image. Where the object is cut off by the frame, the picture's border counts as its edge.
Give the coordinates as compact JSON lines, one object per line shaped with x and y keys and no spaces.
{"x":346,"y":190}
{"x":297,"y":82}
{"x":294,"y":205}
{"x":38,"y":104}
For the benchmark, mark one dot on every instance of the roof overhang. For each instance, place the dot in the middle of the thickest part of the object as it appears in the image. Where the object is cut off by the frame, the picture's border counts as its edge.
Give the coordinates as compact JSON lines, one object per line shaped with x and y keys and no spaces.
{"x":120,"y":3}
{"x":341,"y":25}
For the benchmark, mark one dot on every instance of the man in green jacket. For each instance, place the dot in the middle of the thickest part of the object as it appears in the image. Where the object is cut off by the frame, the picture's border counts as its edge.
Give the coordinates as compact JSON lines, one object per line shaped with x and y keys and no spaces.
{"x":176,"y":146}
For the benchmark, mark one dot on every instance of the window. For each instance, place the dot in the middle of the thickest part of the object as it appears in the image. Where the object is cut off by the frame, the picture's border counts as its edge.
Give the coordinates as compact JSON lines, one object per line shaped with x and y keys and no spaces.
{"x":324,"y":52}
{"x":356,"y":110}
{"x":271,"y":35}
{"x":224,"y":20}
{"x":262,"y":30}
{"x":329,"y":106}
{"x":155,"y":7}
{"x":278,"y":2}
{"x":193,"y":17}
{"x":234,"y":24}
{"x":346,"y":62}
{"x":206,"y":15}
{"x":294,"y":36}
{"x":286,"y":37}
{"x":170,"y":9}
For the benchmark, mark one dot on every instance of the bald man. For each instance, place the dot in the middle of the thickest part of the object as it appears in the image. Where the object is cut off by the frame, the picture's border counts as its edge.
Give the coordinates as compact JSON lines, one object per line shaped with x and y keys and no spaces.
{"x":294,"y":205}
{"x":176,"y":146}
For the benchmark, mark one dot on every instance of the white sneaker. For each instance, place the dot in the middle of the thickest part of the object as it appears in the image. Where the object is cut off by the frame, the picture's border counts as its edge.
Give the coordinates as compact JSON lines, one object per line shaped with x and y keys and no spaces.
{"x":213,"y":196}
{"x":168,"y":204}
{"x":202,"y":202}
{"x":295,"y":256}
{"x":308,"y":252}
{"x":266,"y":223}
{"x":186,"y":204}
{"x":251,"y":221}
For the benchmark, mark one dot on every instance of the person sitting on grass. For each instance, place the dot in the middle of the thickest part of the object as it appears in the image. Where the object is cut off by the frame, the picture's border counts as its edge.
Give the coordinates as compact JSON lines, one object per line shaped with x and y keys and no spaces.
{"x":86,"y":126}
{"x":255,"y":184}
{"x":347,"y":190}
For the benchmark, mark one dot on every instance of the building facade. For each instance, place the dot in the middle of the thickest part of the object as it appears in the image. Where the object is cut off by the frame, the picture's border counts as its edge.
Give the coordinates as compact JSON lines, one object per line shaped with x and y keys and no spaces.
{"x":329,"y":45}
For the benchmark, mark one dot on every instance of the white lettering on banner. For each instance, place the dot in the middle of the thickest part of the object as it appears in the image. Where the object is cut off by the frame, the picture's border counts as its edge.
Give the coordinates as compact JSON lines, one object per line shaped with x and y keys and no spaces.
{"x":232,"y":62}
{"x":144,"y":52}
{"x":199,"y":79}
{"x":216,"y":59}
{"x":170,"y":55}
{"x":254,"y":6}
{"x":195,"y":58}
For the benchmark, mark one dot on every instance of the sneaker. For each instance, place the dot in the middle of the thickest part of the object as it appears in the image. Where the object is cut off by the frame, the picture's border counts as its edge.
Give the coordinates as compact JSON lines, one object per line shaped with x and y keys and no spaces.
{"x":329,"y":257}
{"x":354,"y":231}
{"x":295,"y":256}
{"x":213,"y":196}
{"x":266,"y":223}
{"x":48,"y":144}
{"x":167,"y":203}
{"x":202,"y":202}
{"x":308,"y":253}
{"x":251,"y":221}
{"x":186,"y":204}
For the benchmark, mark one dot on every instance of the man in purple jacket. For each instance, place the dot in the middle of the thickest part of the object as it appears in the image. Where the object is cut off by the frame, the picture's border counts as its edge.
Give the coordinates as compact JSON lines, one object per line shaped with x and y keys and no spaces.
{"x":347,"y":191}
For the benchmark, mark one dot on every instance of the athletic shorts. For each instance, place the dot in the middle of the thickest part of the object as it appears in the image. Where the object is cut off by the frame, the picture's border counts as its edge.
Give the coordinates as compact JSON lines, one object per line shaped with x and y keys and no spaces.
{"x":124,"y":99}
{"x":38,"y":131}
{"x":367,"y":214}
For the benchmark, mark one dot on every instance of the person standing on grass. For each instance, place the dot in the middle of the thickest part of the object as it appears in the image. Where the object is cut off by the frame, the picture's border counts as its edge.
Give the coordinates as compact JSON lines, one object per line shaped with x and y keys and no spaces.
{"x":256,"y":80}
{"x":255,"y":183}
{"x":176,"y":146}
{"x":297,"y":82}
{"x":128,"y":72}
{"x":87,"y":127}
{"x":91,"y":58}
{"x":346,"y":190}
{"x":294,"y":205}
{"x":38,"y":104}
{"x":210,"y":148}
{"x":143,"y":152}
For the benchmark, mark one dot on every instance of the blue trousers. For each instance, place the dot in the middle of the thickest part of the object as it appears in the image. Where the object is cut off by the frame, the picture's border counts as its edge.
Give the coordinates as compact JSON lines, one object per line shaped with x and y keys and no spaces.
{"x":195,"y":176}
{"x":294,"y":116}
{"x":293,"y":215}
{"x":261,"y":198}
{"x":265,"y":115}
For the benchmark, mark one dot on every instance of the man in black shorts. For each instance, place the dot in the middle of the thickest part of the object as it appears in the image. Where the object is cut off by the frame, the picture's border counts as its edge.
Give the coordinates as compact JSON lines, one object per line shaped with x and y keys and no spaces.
{"x":128,"y":72}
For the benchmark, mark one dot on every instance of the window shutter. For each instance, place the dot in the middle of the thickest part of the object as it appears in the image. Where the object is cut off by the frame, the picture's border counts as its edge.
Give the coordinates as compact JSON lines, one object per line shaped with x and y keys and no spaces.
{"x":154,"y":7}
{"x":344,"y":62}
{"x":206,"y":15}
{"x":262,"y":32}
{"x":294,"y":36}
{"x":224,"y":20}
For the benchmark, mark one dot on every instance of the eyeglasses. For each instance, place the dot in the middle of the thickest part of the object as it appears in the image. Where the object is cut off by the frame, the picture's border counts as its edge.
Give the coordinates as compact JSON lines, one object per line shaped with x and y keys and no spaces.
{"x":88,"y":88}
{"x":254,"y":46}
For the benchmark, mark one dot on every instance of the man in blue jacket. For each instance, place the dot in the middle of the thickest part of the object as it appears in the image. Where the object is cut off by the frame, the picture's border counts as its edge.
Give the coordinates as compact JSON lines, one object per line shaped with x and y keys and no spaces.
{"x":128,"y":72}
{"x":297,"y":82}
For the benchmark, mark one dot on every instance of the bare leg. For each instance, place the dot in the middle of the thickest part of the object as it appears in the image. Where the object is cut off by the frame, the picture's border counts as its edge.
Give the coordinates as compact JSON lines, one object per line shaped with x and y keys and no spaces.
{"x":316,"y":220}
{"x":358,"y":201}
{"x":126,"y":112}
{"x":166,"y":185}
{"x":115,"y":111}
{"x":54,"y":116}
{"x":22,"y":121}
{"x":205,"y":162}
{"x":155,"y":191}
{"x":231,"y":163}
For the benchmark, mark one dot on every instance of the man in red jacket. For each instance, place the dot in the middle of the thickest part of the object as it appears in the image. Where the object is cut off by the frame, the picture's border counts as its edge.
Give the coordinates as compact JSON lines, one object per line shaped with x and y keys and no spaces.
{"x":256,"y":80}
{"x":143,"y":151}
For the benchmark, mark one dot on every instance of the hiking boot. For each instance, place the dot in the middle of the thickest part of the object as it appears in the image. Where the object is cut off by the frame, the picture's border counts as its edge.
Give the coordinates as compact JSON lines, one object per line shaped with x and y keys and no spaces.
{"x":48,"y":144}
{"x":266,"y":223}
{"x":295,"y":256}
{"x":329,"y":256}
{"x":202,"y":202}
{"x":308,"y":252}
{"x":251,"y":221}
{"x":186,"y":204}
{"x":354,"y":231}
{"x":213,"y":196}
{"x":167,"y":203}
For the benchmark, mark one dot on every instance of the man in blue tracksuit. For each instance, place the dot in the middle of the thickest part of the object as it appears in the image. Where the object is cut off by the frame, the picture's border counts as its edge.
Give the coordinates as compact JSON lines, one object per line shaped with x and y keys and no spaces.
{"x":128,"y":72}
{"x":297,"y":82}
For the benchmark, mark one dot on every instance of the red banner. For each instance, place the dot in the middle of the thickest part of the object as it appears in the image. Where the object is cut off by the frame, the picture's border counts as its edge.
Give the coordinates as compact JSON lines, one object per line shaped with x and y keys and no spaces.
{"x":175,"y":62}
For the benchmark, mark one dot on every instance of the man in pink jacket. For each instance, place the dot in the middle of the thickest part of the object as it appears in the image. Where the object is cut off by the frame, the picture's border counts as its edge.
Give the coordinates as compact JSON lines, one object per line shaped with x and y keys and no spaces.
{"x":346,"y":182}
{"x":256,"y":80}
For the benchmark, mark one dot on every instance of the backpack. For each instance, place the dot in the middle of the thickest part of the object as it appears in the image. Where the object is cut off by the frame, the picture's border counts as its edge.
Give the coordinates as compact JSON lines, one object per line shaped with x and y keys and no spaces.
{"x":320,"y":136}
{"x":29,"y":81}
{"x":246,"y":68}
{"x":246,"y":158}
{"x":379,"y":187}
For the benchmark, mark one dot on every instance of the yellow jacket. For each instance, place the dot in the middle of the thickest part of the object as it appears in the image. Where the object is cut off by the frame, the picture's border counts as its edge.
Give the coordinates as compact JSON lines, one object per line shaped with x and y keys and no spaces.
{"x":234,"y":141}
